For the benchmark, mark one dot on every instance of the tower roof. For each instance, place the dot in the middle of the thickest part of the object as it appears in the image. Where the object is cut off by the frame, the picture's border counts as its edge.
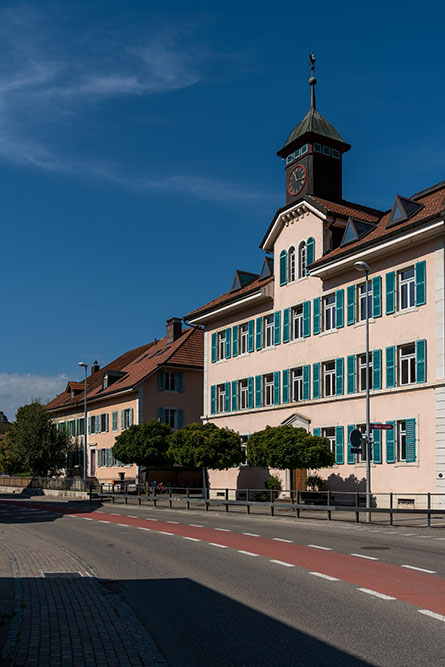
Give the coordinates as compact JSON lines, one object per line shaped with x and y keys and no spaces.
{"x":313,"y":124}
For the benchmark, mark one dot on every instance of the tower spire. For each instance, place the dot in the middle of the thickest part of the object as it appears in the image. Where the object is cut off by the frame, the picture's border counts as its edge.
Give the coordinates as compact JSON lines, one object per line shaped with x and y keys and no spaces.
{"x":312,"y":80}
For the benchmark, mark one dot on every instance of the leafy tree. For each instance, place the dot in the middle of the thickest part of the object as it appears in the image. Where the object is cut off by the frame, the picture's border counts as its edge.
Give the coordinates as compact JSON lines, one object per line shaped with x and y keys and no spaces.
{"x":205,"y":446}
{"x":9,"y":463}
{"x":144,"y":444}
{"x":287,"y":448}
{"x":36,"y":442}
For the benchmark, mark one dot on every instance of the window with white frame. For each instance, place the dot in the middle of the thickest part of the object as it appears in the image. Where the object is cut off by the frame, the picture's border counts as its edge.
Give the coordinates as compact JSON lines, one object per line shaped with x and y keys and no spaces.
{"x":169,"y":381}
{"x":170,"y":417}
{"x":329,"y":433}
{"x":268,"y":331}
{"x":104,"y":423}
{"x":401,"y":440}
{"x":297,"y":384}
{"x":127,"y":417}
{"x":407,"y":364}
{"x":302,"y":259}
{"x":328,"y":378}
{"x":220,"y":397}
{"x":268,"y":389}
{"x":364,"y":301}
{"x":361,"y":371}
{"x":297,"y":322}
{"x":291,"y":263}
{"x":407,"y":288}
{"x":243,"y":394}
{"x":221,"y":346}
{"x":244,"y":338}
{"x":329,"y":312}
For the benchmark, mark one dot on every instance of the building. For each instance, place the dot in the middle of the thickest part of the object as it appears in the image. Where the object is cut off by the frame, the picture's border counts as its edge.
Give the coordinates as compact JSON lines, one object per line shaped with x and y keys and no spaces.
{"x":161,"y":380}
{"x":286,"y":345}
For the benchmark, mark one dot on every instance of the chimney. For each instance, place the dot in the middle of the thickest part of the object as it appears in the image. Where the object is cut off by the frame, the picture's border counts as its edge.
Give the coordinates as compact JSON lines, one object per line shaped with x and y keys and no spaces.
{"x":95,"y":367}
{"x":174,"y":329}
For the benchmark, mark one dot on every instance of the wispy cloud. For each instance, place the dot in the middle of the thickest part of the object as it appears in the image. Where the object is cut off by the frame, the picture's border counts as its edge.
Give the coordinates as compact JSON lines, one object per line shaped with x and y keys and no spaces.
{"x":20,"y":389}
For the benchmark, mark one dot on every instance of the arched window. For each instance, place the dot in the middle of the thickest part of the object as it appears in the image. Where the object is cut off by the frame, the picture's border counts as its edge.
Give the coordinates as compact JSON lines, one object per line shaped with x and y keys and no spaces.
{"x":302,"y":259}
{"x":291,"y":261}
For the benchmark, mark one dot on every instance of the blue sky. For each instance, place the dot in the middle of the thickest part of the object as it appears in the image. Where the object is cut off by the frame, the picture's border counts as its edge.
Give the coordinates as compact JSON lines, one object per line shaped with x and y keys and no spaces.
{"x":138,"y":161}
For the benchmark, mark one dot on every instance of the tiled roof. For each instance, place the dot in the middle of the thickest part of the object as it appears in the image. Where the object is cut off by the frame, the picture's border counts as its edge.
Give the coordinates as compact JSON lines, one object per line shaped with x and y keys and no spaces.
{"x":229,"y":297}
{"x":347,"y":209}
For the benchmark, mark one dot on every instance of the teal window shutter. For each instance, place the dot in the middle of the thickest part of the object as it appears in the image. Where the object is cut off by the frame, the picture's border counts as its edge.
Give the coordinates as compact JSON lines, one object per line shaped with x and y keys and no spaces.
{"x":377,"y":369}
{"x":235,"y":341}
{"x":420,"y":283}
{"x":122,"y":421}
{"x":227,"y":397}
{"x":283,"y":267}
{"x":213,"y":347}
{"x":339,"y":376}
{"x":310,"y":252}
{"x":350,"y":458}
{"x":339,"y":445}
{"x":131,"y":416}
{"x":98,"y":458}
{"x":377,"y":447}
{"x":420,"y":361}
{"x":390,"y":292}
{"x":339,"y":308}
{"x":286,"y":386}
{"x":114,"y":421}
{"x":410,"y":440}
{"x":306,"y":319}
{"x":107,"y":422}
{"x":250,"y":343}
{"x":277,"y":328}
{"x":306,"y":383}
{"x":391,"y":444}
{"x":161,"y":415}
{"x":161,"y":380}
{"x":276,"y":388}
{"x":258,"y":392}
{"x":250,"y":392}
{"x":234,"y":395}
{"x":391,"y":366}
{"x":350,"y":305}
{"x":316,"y":432}
{"x":316,"y":324}
{"x":286,"y":319}
{"x":350,"y":370}
{"x":377,"y":296}
{"x":180,"y":381}
{"x":179,"y":418}
{"x":228,"y":342}
{"x":315,"y":380}
{"x":259,"y":333}
{"x":213,"y":399}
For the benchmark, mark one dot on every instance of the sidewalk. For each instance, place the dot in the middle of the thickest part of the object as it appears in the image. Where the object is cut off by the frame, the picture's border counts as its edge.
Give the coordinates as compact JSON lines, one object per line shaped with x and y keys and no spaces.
{"x":64,"y":616}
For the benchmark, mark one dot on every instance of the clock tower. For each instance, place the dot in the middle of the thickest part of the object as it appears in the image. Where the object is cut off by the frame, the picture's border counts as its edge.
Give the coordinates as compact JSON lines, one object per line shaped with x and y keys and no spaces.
{"x":313,"y":155}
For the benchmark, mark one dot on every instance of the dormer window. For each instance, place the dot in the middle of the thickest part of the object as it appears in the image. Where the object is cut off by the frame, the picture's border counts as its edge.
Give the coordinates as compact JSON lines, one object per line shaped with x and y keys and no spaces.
{"x":403,"y":210}
{"x":110,"y":377}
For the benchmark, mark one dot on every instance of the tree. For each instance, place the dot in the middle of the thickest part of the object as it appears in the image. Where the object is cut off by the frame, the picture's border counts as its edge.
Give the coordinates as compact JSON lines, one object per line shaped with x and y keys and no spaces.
{"x":205,"y":446}
{"x":287,"y":448}
{"x":37,"y":444}
{"x":144,"y":444}
{"x":9,"y":463}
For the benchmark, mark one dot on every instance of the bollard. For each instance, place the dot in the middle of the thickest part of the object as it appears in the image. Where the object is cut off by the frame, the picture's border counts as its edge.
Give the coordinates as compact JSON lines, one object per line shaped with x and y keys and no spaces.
{"x":328,"y":500}
{"x":429,"y":511}
{"x":227,"y":498}
{"x":170,"y":499}
{"x":188,"y":496}
{"x":298,"y":503}
{"x":390,"y":509}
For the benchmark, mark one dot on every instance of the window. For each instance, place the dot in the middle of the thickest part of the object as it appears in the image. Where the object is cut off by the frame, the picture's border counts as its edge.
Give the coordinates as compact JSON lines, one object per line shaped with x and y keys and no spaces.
{"x":364,"y":301}
{"x":220,"y":397}
{"x":329,"y":433}
{"x":81,"y":426}
{"x":104,"y":423}
{"x":302,"y":259}
{"x":401,"y":440}
{"x":407,"y":364}
{"x":169,"y":381}
{"x":329,"y":378}
{"x":407,"y":288}
{"x":221,"y":345}
{"x":268,"y":389}
{"x":361,"y":371}
{"x":126,"y":418}
{"x":291,"y":259}
{"x":297,"y":322}
{"x":268,"y":331}
{"x":329,"y":312}
{"x":297,"y":384}
{"x":243,"y":392}
{"x":244,"y":338}
{"x":169,"y":417}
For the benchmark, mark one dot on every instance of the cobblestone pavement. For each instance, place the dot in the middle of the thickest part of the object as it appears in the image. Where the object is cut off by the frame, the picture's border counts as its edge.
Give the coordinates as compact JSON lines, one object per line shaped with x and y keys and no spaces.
{"x":63,"y":615}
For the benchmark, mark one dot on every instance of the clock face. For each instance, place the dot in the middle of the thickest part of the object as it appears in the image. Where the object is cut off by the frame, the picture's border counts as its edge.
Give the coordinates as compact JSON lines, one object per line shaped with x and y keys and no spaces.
{"x":296,"y":180}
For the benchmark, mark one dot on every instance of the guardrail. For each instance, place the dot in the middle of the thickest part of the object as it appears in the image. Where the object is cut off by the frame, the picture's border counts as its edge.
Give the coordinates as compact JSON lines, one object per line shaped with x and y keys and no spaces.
{"x":289,"y":501}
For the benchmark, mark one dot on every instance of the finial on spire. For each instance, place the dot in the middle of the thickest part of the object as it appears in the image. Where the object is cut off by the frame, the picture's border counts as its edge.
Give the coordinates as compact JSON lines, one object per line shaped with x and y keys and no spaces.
{"x":312,"y":80}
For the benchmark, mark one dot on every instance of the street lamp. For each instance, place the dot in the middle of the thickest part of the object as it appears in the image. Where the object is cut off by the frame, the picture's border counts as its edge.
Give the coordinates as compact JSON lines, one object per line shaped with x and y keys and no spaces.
{"x":365,"y":268}
{"x":85,"y":431}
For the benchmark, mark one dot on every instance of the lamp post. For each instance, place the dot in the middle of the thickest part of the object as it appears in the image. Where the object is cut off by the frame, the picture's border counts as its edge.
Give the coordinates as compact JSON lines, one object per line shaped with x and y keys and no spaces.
{"x":362,"y":266}
{"x":85,"y":427}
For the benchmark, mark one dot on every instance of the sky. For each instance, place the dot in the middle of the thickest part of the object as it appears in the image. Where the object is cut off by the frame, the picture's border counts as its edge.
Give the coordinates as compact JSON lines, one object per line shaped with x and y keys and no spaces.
{"x":138,"y":165}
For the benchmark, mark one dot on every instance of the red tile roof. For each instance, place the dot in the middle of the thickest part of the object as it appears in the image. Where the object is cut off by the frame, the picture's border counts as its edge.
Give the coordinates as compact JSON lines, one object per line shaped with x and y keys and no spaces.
{"x":348,"y":209}
{"x":228,"y":297}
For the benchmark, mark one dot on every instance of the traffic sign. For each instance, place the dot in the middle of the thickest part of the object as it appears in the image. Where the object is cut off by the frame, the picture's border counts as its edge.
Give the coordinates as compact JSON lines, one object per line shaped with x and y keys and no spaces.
{"x":381,"y":427}
{"x":356,"y":439}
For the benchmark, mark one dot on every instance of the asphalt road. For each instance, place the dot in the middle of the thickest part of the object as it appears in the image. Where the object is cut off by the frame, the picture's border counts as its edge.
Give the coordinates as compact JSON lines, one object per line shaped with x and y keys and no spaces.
{"x":295,"y":592}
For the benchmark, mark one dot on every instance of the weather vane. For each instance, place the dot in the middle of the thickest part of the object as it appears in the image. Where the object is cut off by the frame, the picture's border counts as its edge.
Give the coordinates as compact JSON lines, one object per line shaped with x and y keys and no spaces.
{"x":312,"y":80}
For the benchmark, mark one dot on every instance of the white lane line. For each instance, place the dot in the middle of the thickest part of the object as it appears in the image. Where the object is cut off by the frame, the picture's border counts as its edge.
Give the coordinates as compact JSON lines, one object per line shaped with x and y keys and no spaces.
{"x":131,"y":516}
{"x":223,"y":530}
{"x":363,"y":556}
{"x":125,"y":525}
{"x":148,"y":519}
{"x":251,"y":534}
{"x":246,"y":553}
{"x":376,"y":594}
{"x":87,"y":518}
{"x":324,"y":576}
{"x":102,"y":521}
{"x":163,"y":532}
{"x":406,"y":534}
{"x":280,"y":539}
{"x":215,"y":544}
{"x":196,"y":525}
{"x":192,"y":539}
{"x":177,"y":522}
{"x":433,"y":614}
{"x":141,"y":528}
{"x":316,"y":546}
{"x":439,"y":538}
{"x":114,"y":514}
{"x":281,"y":562}
{"x":419,"y":569}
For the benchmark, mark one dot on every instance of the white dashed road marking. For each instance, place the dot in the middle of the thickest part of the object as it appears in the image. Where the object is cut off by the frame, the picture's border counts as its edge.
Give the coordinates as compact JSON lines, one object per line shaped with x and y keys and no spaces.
{"x":433,"y":614}
{"x":177,"y":522}
{"x":324,"y":576}
{"x":280,"y":539}
{"x":246,"y":553}
{"x":192,"y":539}
{"x":363,"y":556}
{"x":281,"y":562}
{"x":196,"y":525}
{"x":316,"y":546}
{"x":376,"y":594}
{"x":223,"y":530}
{"x":102,"y":521}
{"x":419,"y":569}
{"x":163,"y":532}
{"x":251,"y":534}
{"x":215,"y":544}
{"x":141,"y":528}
